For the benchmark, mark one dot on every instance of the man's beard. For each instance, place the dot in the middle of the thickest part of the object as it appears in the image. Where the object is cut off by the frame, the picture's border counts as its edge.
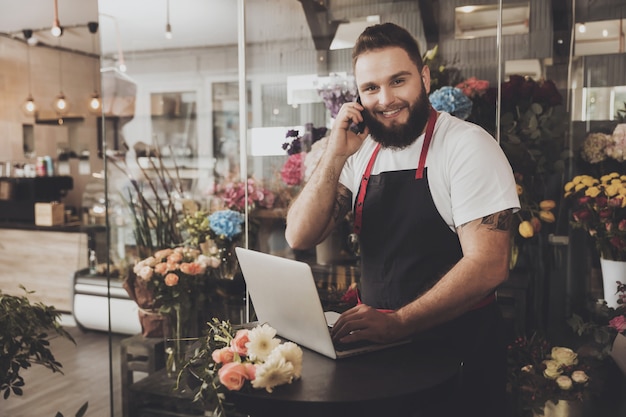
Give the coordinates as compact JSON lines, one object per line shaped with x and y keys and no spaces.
{"x":399,"y":136}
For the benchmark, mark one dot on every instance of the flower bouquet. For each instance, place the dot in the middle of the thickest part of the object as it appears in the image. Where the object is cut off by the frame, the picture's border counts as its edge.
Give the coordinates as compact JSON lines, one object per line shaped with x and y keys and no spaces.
{"x":175,"y":283}
{"x":540,"y":373}
{"x":599,"y":208}
{"x":233,"y":360}
{"x":216,"y":234}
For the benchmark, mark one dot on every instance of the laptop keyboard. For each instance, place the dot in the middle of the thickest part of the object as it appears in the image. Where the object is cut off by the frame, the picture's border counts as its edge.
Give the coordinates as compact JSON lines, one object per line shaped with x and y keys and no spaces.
{"x":343,"y":347}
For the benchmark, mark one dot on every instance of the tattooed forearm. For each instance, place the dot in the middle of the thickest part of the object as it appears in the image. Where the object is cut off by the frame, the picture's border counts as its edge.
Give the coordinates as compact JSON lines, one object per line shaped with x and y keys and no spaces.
{"x":499,"y":221}
{"x":342,"y":203}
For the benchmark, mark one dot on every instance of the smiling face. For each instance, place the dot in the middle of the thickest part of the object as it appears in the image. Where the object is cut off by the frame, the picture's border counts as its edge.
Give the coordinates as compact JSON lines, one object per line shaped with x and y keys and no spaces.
{"x":394,"y":93}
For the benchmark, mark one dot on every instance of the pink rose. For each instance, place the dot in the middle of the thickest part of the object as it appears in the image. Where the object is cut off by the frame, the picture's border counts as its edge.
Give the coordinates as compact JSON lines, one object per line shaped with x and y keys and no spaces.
{"x":164,"y":253}
{"x":238,"y":344}
{"x":223,"y":355}
{"x":233,"y":375}
{"x":171,"y":280}
{"x":618,"y":323}
{"x":192,"y":268}
{"x":251,"y":371}
{"x":161,"y":268}
{"x":175,"y":257}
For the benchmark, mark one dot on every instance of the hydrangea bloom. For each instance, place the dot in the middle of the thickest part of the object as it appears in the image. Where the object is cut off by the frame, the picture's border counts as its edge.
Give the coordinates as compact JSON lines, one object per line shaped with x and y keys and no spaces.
{"x":594,"y":147}
{"x":453,"y":101}
{"x":226,"y":223}
{"x":292,"y":172}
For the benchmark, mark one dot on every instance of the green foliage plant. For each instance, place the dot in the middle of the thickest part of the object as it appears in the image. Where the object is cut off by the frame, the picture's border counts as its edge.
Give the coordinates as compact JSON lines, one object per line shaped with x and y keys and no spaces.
{"x":24,"y":339}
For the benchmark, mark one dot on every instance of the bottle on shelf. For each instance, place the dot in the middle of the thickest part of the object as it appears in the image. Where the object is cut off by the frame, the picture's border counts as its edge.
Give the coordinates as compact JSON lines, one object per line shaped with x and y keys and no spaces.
{"x":93,"y":262}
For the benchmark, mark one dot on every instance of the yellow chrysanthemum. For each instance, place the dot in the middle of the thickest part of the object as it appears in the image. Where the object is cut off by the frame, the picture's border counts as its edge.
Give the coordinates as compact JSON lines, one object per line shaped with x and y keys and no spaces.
{"x":547,"y":205}
{"x":588,"y":180}
{"x":569,"y":186}
{"x":592,"y":192}
{"x":611,"y":190}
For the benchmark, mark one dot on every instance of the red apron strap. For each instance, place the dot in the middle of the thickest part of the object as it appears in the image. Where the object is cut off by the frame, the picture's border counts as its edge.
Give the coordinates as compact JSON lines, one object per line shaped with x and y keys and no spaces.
{"x":430,"y":127}
{"x":360,"y":198}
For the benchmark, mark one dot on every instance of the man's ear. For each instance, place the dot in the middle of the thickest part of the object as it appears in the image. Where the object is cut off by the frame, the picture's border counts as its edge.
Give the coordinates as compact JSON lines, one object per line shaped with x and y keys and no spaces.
{"x":426,"y":78}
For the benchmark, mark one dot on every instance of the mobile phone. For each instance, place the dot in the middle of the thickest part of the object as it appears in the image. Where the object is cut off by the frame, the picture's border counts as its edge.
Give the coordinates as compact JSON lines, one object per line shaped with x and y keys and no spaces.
{"x":358,"y":128}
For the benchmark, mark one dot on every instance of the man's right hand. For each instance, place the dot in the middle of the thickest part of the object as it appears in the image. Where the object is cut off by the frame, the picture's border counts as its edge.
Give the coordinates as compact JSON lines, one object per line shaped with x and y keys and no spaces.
{"x":343,"y":141}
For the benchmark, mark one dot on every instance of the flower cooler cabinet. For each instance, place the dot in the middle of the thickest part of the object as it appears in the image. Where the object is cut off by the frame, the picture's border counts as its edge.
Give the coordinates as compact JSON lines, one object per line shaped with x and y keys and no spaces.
{"x":92,"y":295}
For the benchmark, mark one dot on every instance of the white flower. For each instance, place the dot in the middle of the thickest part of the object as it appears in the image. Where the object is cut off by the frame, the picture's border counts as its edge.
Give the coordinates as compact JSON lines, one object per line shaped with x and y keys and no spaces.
{"x":553,"y":369}
{"x":145,"y":273}
{"x":292,"y":354}
{"x":564,"y":356}
{"x":527,"y":368}
{"x":580,"y":377}
{"x":209,"y":261}
{"x":262,"y":342}
{"x":564,"y":382}
{"x":275,"y":371}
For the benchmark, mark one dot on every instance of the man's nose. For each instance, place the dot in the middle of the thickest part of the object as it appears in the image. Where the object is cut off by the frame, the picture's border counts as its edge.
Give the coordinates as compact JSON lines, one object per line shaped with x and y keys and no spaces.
{"x":385,"y":97}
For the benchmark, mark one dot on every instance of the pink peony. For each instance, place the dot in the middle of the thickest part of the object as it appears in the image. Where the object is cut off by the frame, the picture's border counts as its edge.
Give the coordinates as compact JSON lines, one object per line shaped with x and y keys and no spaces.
{"x":233,"y":375}
{"x":292,"y":172}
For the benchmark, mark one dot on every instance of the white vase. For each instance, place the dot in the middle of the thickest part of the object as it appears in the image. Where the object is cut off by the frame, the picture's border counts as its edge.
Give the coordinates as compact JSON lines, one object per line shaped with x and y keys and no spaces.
{"x":562,"y":408}
{"x":612,"y":271}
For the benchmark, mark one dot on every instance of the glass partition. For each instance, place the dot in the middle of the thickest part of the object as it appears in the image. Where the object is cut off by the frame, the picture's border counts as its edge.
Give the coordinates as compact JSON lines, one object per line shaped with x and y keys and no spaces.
{"x":227,"y":118}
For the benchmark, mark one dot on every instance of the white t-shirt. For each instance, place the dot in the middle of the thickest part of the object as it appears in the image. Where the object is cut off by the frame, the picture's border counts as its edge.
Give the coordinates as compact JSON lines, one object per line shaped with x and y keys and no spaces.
{"x":468,"y":174}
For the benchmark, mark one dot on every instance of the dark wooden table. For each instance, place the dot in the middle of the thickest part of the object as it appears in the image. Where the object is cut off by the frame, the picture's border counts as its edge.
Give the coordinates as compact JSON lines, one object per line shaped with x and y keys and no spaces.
{"x":409,"y":380}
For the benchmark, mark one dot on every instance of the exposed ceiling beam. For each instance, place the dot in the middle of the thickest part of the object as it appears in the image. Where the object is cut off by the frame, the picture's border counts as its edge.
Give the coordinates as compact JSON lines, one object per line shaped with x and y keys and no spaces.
{"x":323,"y":29}
{"x":429,"y":11}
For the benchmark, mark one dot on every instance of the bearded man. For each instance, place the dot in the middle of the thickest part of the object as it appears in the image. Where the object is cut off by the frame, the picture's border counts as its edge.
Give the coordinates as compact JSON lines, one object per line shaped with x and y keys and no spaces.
{"x":433,"y":198}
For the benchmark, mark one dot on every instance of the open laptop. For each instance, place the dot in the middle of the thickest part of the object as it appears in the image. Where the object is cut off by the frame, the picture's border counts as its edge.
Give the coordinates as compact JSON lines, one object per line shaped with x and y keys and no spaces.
{"x":284,"y":295}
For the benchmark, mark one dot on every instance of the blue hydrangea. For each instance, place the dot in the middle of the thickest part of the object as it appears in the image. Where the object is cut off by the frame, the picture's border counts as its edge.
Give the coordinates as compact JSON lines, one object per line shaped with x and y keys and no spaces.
{"x":226,"y":223}
{"x":453,"y":101}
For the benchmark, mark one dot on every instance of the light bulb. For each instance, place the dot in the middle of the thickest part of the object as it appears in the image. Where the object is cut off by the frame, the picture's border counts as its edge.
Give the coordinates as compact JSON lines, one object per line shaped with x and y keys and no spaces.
{"x":95,"y":104}
{"x":29,"y":106}
{"x":168,"y":31}
{"x":61,"y":105}
{"x":56,"y":30}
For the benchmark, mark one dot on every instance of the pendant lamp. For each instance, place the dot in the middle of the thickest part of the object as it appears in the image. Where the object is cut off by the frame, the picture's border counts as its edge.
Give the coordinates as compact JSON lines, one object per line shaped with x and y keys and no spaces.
{"x":168,"y":27}
{"x":95,"y":102}
{"x":61,"y":105}
{"x":57,"y":29}
{"x":29,"y":107}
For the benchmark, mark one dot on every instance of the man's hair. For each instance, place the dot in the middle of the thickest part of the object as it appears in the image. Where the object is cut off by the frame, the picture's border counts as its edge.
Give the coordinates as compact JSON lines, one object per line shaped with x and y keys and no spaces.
{"x":387,"y":35}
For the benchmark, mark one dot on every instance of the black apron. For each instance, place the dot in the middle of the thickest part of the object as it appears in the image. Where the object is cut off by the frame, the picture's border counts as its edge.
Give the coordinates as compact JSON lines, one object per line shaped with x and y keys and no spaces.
{"x":406,"y":247}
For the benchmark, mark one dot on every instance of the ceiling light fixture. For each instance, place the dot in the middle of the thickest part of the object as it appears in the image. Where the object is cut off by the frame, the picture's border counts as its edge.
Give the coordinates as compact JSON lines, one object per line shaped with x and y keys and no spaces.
{"x":29,"y":108}
{"x":60,"y":104}
{"x":95,"y":103}
{"x":168,"y":27}
{"x":56,"y":29}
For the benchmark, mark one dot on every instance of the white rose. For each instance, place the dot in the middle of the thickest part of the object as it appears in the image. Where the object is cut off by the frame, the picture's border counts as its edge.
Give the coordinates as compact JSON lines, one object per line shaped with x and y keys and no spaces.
{"x":564,"y":356}
{"x":145,"y":273}
{"x":527,"y":368}
{"x":580,"y":377}
{"x":564,"y":382}
{"x":553,"y":369}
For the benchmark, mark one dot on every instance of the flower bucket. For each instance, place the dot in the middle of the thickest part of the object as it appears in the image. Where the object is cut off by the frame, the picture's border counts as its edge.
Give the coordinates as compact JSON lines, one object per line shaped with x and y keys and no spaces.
{"x":562,"y":408}
{"x":618,"y":352}
{"x":612,"y":271}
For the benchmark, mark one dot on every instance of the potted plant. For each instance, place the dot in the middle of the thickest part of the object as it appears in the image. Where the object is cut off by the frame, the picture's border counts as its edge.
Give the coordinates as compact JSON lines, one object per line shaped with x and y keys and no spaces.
{"x":25,"y":333}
